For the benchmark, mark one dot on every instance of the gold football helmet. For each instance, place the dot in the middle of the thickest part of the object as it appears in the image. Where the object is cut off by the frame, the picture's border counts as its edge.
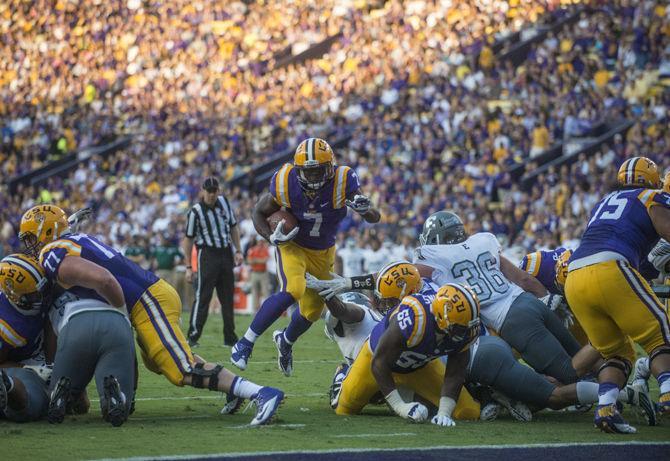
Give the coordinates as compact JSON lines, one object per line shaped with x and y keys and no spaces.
{"x":639,"y":172}
{"x":24,"y":283}
{"x":562,"y":269}
{"x":395,"y":281}
{"x":314,"y":162}
{"x":456,"y":311}
{"x":40,"y":225}
{"x":666,"y":183}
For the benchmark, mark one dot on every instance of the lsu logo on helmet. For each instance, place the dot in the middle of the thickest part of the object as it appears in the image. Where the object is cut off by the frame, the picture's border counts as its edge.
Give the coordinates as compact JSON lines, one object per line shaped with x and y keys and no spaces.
{"x":456,"y":312}
{"x":639,"y":172}
{"x":395,"y":281}
{"x":314,"y":162}
{"x":40,"y":225}
{"x":562,"y":269}
{"x":23,"y":281}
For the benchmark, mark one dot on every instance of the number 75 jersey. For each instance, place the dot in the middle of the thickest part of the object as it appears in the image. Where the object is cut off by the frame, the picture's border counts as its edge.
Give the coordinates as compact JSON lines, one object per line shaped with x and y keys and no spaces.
{"x":620,"y":223}
{"x":476,"y":263}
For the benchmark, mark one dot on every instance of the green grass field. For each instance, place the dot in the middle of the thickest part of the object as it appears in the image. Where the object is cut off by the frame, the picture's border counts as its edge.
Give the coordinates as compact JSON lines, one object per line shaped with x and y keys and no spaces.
{"x":181,"y":421}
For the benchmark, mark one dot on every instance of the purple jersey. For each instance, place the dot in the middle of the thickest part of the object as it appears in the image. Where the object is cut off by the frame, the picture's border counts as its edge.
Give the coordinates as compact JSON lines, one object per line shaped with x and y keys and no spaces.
{"x":20,"y":334}
{"x":133,"y":279}
{"x":542,"y":266}
{"x":620,"y":223}
{"x":419,"y":329}
{"x":318,"y":217}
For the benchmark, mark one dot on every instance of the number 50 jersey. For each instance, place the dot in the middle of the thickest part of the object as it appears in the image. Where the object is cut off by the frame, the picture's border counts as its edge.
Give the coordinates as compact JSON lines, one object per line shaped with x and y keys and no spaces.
{"x":476,"y":263}
{"x":620,"y":223}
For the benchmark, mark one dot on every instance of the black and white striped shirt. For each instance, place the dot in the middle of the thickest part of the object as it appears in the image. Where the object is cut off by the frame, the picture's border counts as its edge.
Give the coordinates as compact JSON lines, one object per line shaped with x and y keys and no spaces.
{"x":210,"y":226}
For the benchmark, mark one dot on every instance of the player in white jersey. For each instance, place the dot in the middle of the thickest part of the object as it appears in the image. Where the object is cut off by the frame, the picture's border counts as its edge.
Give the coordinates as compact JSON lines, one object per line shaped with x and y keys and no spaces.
{"x":508,"y":295}
{"x":353,"y":259}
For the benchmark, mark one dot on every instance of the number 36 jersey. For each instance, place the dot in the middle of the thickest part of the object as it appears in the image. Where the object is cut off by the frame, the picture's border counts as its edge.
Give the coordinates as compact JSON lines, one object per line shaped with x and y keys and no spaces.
{"x":620,"y":223}
{"x":476,"y":263}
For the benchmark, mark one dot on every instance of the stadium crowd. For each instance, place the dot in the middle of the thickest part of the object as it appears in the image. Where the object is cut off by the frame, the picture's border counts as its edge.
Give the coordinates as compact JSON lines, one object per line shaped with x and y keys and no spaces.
{"x":438,"y":121}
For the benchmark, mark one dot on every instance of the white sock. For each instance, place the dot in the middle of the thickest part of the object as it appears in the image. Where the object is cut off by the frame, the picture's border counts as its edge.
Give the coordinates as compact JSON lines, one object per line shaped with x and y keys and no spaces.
{"x":245,"y":389}
{"x":609,"y":397}
{"x":250,"y":336}
{"x":587,"y":392}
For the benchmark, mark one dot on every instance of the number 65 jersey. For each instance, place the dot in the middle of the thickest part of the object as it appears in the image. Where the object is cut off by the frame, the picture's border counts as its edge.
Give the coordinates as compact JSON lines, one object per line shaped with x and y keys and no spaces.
{"x":620,"y":223}
{"x":476,"y":263}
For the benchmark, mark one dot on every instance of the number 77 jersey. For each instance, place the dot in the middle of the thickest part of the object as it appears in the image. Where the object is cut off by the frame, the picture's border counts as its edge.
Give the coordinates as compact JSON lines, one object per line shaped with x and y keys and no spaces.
{"x":476,"y":263}
{"x":620,"y":223}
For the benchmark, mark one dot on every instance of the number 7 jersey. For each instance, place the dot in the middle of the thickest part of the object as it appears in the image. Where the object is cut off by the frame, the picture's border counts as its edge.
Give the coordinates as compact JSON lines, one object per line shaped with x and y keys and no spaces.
{"x":476,"y":263}
{"x":620,"y":223}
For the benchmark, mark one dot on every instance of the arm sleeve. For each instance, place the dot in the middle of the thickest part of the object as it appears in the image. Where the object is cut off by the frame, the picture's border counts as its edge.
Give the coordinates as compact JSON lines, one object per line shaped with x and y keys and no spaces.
{"x":353,"y":184}
{"x":52,"y":256}
{"x":190,"y":224}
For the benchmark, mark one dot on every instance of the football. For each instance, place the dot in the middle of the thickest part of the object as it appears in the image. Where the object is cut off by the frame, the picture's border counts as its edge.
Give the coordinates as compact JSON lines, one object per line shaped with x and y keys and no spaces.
{"x":289,"y":220}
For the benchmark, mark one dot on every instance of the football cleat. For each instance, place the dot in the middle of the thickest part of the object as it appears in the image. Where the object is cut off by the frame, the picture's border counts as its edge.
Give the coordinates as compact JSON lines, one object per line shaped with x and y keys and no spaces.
{"x":518,"y":410}
{"x":60,"y":397}
{"x":113,"y":406}
{"x":5,"y":386}
{"x":489,"y":412}
{"x":241,"y":353}
{"x":336,"y":386}
{"x":663,"y":406}
{"x":638,"y":396}
{"x":284,"y":353}
{"x":608,"y":419}
{"x":267,"y":402}
{"x":233,"y":403}
{"x":642,"y":373}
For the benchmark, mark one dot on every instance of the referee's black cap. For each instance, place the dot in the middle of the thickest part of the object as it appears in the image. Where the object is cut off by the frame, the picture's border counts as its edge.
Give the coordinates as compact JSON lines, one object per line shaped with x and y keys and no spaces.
{"x":211,"y":184}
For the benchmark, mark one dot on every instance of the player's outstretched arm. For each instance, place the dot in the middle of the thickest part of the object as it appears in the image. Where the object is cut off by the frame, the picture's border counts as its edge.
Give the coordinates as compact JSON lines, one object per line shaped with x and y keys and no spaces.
{"x":521,"y":278}
{"x":362,"y":205}
{"x":346,"y":312}
{"x":74,"y":271}
{"x":454,"y":378}
{"x":265,"y":206}
{"x":390,"y":346}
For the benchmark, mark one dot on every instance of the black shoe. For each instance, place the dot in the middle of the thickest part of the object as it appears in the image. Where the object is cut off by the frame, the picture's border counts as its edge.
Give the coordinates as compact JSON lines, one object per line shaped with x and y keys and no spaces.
{"x":114,"y":408}
{"x":59,"y":400}
{"x":230,"y":341}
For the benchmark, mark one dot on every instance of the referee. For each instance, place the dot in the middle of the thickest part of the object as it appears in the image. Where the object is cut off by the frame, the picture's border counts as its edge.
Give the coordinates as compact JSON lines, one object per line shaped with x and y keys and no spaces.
{"x":211,"y":225}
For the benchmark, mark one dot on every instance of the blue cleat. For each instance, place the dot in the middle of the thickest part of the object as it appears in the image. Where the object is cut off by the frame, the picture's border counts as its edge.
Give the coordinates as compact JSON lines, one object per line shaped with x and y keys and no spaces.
{"x":608,"y":419}
{"x":284,"y":353}
{"x":241,"y":353}
{"x":336,"y":385}
{"x":663,"y":405}
{"x":267,"y":402}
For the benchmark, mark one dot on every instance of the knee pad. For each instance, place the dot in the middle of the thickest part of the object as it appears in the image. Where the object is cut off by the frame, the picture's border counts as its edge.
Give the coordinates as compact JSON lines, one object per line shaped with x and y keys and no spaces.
{"x":662,"y":350}
{"x":198,"y":375}
{"x":619,"y":363}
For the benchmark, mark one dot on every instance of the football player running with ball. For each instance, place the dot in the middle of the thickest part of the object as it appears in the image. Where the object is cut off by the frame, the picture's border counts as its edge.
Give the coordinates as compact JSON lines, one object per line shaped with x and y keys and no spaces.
{"x":317,"y":193}
{"x":610,"y":298}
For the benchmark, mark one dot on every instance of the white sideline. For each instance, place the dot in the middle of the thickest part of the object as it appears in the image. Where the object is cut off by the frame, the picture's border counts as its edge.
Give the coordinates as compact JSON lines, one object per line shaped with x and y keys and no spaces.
{"x":359,"y":450}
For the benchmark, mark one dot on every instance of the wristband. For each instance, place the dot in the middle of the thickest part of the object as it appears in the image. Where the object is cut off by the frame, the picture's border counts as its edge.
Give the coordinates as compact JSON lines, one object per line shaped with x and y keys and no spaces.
{"x":395,"y":401}
{"x":363,"y":282}
{"x":447,"y":405}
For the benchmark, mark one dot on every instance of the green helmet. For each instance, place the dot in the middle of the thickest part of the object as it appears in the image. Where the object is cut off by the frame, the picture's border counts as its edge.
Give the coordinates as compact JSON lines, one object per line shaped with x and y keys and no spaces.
{"x":442,"y":228}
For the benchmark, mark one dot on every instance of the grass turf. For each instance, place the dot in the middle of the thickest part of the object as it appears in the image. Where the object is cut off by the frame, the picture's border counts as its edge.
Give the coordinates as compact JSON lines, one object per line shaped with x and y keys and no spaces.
{"x":179,"y":421}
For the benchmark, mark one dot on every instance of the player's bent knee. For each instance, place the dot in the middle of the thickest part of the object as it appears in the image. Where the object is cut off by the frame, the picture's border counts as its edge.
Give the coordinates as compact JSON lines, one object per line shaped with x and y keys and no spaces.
{"x":199,"y":374}
{"x":623,"y":364}
{"x":661,"y":351}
